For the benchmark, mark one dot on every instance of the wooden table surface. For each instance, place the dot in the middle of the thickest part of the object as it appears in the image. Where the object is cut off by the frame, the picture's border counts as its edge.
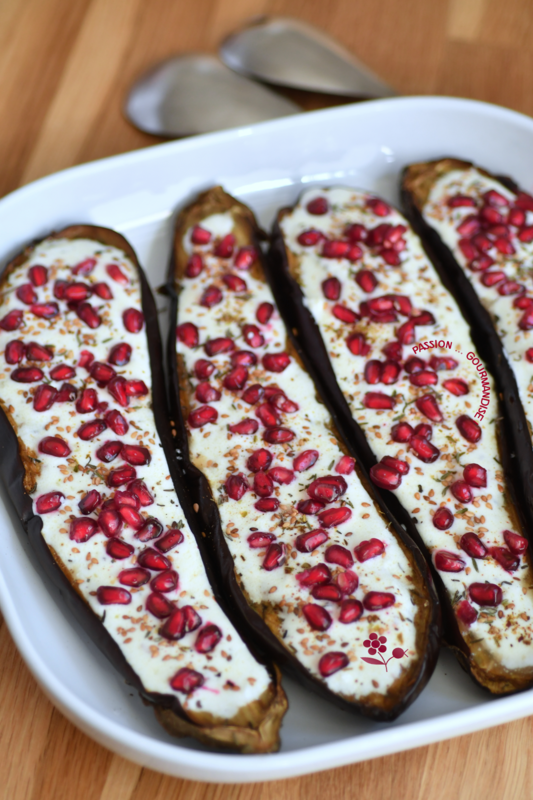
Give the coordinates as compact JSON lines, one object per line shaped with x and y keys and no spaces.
{"x":64,"y":68}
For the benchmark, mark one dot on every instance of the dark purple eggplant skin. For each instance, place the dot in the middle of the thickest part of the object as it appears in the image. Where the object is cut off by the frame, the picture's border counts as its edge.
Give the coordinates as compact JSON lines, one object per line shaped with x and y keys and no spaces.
{"x":222,"y":560}
{"x":310,"y":345}
{"x":12,"y":475}
{"x":516,"y":445}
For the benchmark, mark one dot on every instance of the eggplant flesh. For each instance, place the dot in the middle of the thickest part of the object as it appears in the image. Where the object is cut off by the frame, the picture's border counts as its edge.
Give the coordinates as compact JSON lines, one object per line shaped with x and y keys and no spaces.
{"x":388,"y":347}
{"x":84,"y":418}
{"x":239,"y":435}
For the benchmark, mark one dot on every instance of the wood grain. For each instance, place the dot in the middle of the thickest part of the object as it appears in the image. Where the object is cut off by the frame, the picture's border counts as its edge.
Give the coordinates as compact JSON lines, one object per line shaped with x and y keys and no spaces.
{"x":64,"y":68}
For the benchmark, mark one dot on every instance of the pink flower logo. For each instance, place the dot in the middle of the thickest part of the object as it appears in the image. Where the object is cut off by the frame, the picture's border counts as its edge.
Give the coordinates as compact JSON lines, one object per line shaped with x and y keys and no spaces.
{"x":377,"y":644}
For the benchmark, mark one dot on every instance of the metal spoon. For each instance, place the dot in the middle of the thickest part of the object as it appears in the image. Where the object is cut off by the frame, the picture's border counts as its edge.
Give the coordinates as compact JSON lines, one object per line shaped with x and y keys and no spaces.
{"x":289,"y":52}
{"x":197,"y":94}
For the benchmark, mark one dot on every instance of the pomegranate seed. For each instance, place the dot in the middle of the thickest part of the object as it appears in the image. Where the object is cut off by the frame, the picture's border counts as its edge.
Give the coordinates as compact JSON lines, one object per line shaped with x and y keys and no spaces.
{"x":423,"y":449}
{"x":200,"y":235}
{"x":504,"y":246}
{"x":85,"y":267}
{"x":202,"y":416}
{"x":332,"y":662}
{"x":492,"y":278}
{"x":113,"y":595}
{"x":116,"y":422}
{"x":307,"y":542}
{"x":131,"y":517}
{"x":309,"y":507}
{"x":76,"y":292}
{"x":203,"y":368}
{"x":194,"y":266}
{"x":524,"y":201}
{"x":264,"y":312}
{"x":12,"y":320}
{"x":225,"y":247}
{"x":390,"y":372}
{"x":347,"y":581}
{"x":136,"y":576}
{"x":245,"y":427}
{"x":222,"y":344}
{"x":26,"y":294}
{"x":136,"y":455}
{"x":329,"y":592}
{"x":485,"y":594}
{"x":139,"y":490}
{"x":516,"y":544}
{"x":406,"y":332}
{"x":66,"y":393}
{"x":424,"y":429}
{"x":345,"y":466}
{"x":192,"y":619}
{"x":443,"y":518}
{"x":402,"y":432}
{"x":120,"y":354}
{"x":378,"y":400}
{"x":263,"y":484}
{"x":335,"y":248}
{"x":260,"y":540}
{"x":336,"y":554}
{"x":344,"y":314}
{"x":305,"y":460}
{"x":473,"y":546}
{"x":428,"y":406}
{"x":490,"y":215}
{"x":38,"y":275}
{"x":526,"y":321}
{"x":350,"y":611}
{"x":331,"y":288}
{"x":468,"y":428}
{"x":366,"y":280}
{"x":245,"y":257}
{"x":27,"y":374}
{"x":89,"y":315}
{"x":516,"y":217}
{"x":414,"y":364}
{"x":133,"y":320}
{"x":281,"y":475}
{"x":59,"y":289}
{"x":117,"y":549}
{"x":175,"y":628}
{"x":188,"y":334}
{"x":425,"y":377}
{"x":465,"y":612}
{"x":373,"y":370}
{"x":278,"y":435}
{"x":110,"y":522}
{"x":275,"y":556}
{"x":82,"y":528}
{"x":461,"y":491}
{"x":205,"y":393}
{"x":282,"y":403}
{"x":259,"y":460}
{"x":494,"y":198}
{"x":234,"y":283}
{"x":376,"y":601}
{"x":317,"y":617}
{"x":356,"y":233}
{"x":103,"y":291}
{"x":120,"y":476}
{"x":253,"y":336}
{"x":481,"y":264}
{"x":276,"y":362}
{"x":152,"y":529}
{"x":448,"y":562}
{"x":357,"y":344}
{"x":316,"y":575}
{"x":153,"y":560}
{"x":310,"y":237}
{"x":126,"y":500}
{"x":62,"y":372}
{"x":424,"y":318}
{"x":327,"y":489}
{"x":54,"y":446}
{"x":390,"y":256}
{"x":158,"y":605}
{"x":268,"y":415}
{"x":170,"y":540}
{"x":354,"y":253}
{"x":395,"y":463}
{"x":38,"y":352}
{"x":318,"y":207}
{"x":51,"y":501}
{"x":102,"y":373}
{"x":186,"y":680}
{"x":135,"y":388}
{"x":509,"y":561}
{"x":89,"y":430}
{"x":459,"y":200}
{"x":332,"y":517}
{"x":369,"y":548}
{"x":44,"y":398}
{"x":526,"y":234}
{"x":207,"y":639}
{"x":236,"y":486}
{"x":475,"y":475}
{"x":15,"y":351}
{"x":267,"y":504}
{"x":482,"y":242}
{"x":109,"y":451}
{"x":522,"y":302}
{"x":442,"y":362}
{"x":510,"y":287}
{"x":378,"y":207}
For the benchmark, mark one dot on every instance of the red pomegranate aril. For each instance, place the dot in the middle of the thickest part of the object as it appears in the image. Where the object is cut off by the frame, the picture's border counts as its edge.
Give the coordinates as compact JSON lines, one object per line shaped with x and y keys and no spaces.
{"x":275,"y":556}
{"x":373,"y":370}
{"x":159,"y":606}
{"x":390,"y":256}
{"x":88,"y":314}
{"x":186,"y":680}
{"x":406,"y":332}
{"x":205,"y":393}
{"x":245,"y":427}
{"x":357,"y":344}
{"x":152,"y":529}
{"x":401,"y":432}
{"x":524,"y":200}
{"x":378,"y":400}
{"x":318,"y":207}
{"x":188,"y":334}
{"x":121,"y":475}
{"x":268,"y":415}
{"x":378,"y":207}
{"x":26,"y":294}
{"x":264,"y":313}
{"x":366,"y":280}
{"x":49,"y":502}
{"x":281,"y":475}
{"x":282,"y":403}
{"x":59,"y":289}
{"x":77,"y":291}
{"x":175,"y":628}
{"x":461,"y":491}
{"x":481,"y":264}
{"x":331,"y":288}
{"x":135,"y":388}
{"x":85,"y":267}
{"x":200,"y":235}
{"x":90,"y":501}
{"x":305,"y":460}
{"x":310,"y":237}
{"x":236,"y":486}
{"x":133,"y":320}
{"x":102,"y":373}
{"x":504,"y":246}
{"x":414,"y":365}
{"x":38,"y":352}
{"x":332,"y":517}
{"x":117,"y":549}
{"x":253,"y":336}
{"x":259,"y":460}
{"x":12,"y":320}
{"x":516,"y":217}
{"x":113,"y":595}
{"x":347,"y":581}
{"x":278,"y":435}
{"x":263,"y":484}
{"x":131,"y":517}
{"x":82,"y":529}
{"x":336,"y":554}
{"x":443,"y":518}
{"x":494,"y":198}
{"x":140,"y":490}
{"x":203,"y":369}
{"x":332,"y":662}
{"x":62,"y":372}
{"x":335,"y":248}
{"x":207,"y":639}
{"x":267,"y":505}
{"x":194,"y":266}
{"x":309,"y":507}
{"x":345,"y":465}
{"x":245,"y":257}
{"x":67,"y":393}
{"x":327,"y":591}
{"x":234,"y":283}
{"x":317,"y":575}
{"x":482,"y":242}
{"x":108,"y":451}
{"x":192,"y":619}
{"x":424,"y":377}
{"x":526,"y":321}
{"x":44,"y":397}
{"x":38,"y":275}
{"x":325,"y":490}
{"x":276,"y":362}
{"x":171,"y":539}
{"x":54,"y":446}
{"x":505,"y":558}
{"x":102,"y":290}
{"x":27,"y":374}
{"x":203,"y":415}
{"x":225,"y":247}
{"x":211,"y":296}
{"x":423,"y":449}
{"x":456,"y":386}
{"x":473,"y":546}
{"x":526,"y":234}
{"x":468,"y":428}
{"x":424,"y":318}
{"x":396,"y":463}
{"x":384,"y":476}
{"x":492,"y":278}
{"x":466,"y":613}
{"x":126,"y":500}
{"x":369,"y":548}
{"x":428,"y":406}
{"x":468,"y":227}
{"x":475,"y":475}
{"x":110,"y":522}
{"x":516,"y":544}
{"x":490,"y":215}
{"x":485,"y":594}
{"x":151,"y":559}
{"x":377,"y":235}
{"x":222,"y":344}
{"x":448,"y":562}
{"x":135,"y":577}
{"x":344,"y":314}
{"x":317,"y":617}
{"x":522,"y":302}
{"x":260,"y":540}
{"x":350,"y":611}
{"x":376,"y":601}
{"x":15,"y":351}
{"x":307,"y":542}
{"x":89,"y":430}
{"x":117,"y":422}
{"x":390,"y":372}
{"x":136,"y":455}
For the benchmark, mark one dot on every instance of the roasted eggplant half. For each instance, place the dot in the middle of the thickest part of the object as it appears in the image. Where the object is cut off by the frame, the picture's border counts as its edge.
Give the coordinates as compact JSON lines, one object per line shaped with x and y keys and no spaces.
{"x":393,"y":356}
{"x":320,"y":572}
{"x":87,"y":457}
